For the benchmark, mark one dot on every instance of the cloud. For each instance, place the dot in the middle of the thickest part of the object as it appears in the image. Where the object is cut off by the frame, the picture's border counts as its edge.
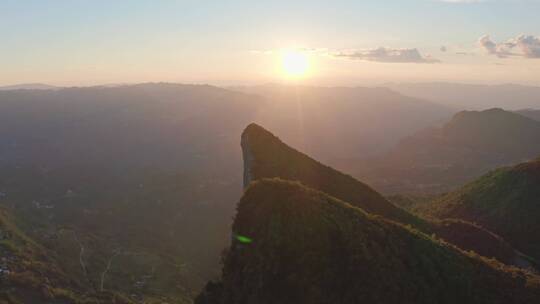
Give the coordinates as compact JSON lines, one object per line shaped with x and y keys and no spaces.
{"x":526,"y":46}
{"x":383,"y":54}
{"x":529,"y":46}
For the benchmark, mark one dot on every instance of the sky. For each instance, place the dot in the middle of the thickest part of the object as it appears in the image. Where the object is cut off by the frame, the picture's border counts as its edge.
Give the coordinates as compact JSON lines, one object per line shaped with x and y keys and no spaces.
{"x":241,"y":42}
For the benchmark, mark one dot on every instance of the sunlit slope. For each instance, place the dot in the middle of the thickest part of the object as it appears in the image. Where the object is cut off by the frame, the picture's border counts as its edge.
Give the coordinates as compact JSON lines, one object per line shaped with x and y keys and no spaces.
{"x":307,"y":247}
{"x":506,"y":201}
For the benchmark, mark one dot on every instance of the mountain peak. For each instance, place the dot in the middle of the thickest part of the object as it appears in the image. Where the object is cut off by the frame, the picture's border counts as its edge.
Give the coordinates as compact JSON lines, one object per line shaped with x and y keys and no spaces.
{"x":266,"y":156}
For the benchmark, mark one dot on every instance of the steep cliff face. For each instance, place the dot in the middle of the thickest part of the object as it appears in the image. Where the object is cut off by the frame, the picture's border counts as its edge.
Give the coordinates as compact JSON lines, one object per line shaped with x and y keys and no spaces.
{"x":266,"y":156}
{"x":248,"y":158}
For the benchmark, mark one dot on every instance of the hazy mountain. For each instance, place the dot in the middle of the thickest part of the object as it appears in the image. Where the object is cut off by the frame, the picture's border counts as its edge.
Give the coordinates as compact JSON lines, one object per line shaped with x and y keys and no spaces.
{"x":469,"y":145}
{"x":531,"y":113}
{"x":131,"y":127}
{"x":336,"y":122}
{"x":473,"y":97}
{"x":505,"y":200}
{"x":28,"y":86}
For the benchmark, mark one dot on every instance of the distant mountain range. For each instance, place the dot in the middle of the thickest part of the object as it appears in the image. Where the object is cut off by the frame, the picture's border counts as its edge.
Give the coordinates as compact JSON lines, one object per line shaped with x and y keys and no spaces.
{"x":295,"y":241}
{"x":469,"y":145}
{"x":473,"y":97}
{"x":28,"y":86}
{"x":336,"y":122}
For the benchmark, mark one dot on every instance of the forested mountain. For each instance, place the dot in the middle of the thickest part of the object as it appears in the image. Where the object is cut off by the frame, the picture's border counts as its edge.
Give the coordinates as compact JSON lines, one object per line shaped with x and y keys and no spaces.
{"x":297,"y":245}
{"x":506,"y":201}
{"x":438,"y":159}
{"x":294,"y":243}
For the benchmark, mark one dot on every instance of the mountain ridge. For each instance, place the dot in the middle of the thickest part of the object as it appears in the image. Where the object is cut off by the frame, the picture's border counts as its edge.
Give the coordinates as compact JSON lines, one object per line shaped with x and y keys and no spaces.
{"x":504,"y":200}
{"x":266,"y":156}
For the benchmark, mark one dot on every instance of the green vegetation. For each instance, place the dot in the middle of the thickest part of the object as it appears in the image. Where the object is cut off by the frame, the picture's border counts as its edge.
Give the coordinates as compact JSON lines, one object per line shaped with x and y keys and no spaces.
{"x":309,"y":244}
{"x":310,"y":247}
{"x":505,"y":201}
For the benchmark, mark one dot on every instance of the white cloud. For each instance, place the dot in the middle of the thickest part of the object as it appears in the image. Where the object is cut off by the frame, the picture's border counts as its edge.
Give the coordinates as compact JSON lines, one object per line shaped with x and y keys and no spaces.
{"x":526,"y":46}
{"x":383,"y":54}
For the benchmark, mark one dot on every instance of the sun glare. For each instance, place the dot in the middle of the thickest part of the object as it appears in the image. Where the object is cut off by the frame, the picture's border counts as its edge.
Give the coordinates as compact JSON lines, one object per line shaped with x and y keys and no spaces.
{"x":295,"y":64}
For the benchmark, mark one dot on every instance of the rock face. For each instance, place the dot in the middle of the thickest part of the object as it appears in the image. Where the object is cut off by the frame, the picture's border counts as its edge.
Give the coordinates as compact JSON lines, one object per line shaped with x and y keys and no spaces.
{"x":303,"y":234}
{"x":247,"y":157}
{"x":266,"y":156}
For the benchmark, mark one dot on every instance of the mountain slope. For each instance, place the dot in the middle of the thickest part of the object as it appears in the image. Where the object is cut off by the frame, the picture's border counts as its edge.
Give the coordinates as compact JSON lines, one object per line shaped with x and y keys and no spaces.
{"x":307,"y":247}
{"x":505,"y":201}
{"x":29,"y":273}
{"x":531,"y":113}
{"x":469,"y":145}
{"x":266,"y":156}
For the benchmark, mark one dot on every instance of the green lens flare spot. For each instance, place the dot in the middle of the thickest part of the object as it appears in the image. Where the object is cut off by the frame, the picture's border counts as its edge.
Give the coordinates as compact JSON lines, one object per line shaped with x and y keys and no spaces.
{"x":244,"y":239}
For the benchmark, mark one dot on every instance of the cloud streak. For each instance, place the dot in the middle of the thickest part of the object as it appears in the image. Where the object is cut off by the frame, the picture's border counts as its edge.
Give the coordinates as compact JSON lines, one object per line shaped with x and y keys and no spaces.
{"x":389,"y":55}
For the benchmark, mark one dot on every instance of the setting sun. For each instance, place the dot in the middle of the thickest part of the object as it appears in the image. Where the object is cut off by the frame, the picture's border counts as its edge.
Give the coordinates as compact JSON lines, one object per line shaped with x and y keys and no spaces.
{"x":295,"y":64}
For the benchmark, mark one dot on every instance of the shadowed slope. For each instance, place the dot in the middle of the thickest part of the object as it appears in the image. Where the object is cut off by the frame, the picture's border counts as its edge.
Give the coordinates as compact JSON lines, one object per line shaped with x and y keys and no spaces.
{"x":441,"y":159}
{"x":308,"y":247}
{"x":265,"y":156}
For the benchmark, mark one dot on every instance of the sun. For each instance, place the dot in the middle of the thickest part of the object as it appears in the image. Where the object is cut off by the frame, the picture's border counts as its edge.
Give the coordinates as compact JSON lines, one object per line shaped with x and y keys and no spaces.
{"x":295,"y":64}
